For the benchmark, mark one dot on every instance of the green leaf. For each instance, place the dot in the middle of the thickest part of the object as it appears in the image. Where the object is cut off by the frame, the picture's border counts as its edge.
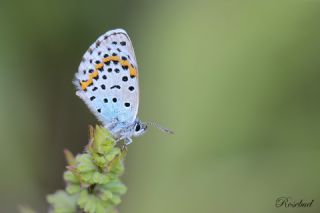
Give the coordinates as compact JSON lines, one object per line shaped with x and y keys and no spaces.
{"x":69,"y":157}
{"x":106,"y":195}
{"x":115,"y":200}
{"x":73,"y":188}
{"x":71,"y":177}
{"x":87,"y":177}
{"x":84,"y":163}
{"x":100,"y":178}
{"x":103,"y":141}
{"x":112,"y":154}
{"x":117,"y":169}
{"x":99,"y":160}
{"x":62,"y":202}
{"x":114,"y":186}
{"x":91,"y":203}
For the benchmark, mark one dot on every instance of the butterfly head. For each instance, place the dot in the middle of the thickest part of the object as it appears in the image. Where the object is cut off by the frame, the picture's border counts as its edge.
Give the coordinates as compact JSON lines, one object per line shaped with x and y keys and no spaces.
{"x":139,"y":128}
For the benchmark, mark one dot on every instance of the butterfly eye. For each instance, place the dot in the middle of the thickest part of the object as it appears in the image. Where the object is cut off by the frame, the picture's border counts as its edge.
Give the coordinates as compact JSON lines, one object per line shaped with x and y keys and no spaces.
{"x":138,"y":127}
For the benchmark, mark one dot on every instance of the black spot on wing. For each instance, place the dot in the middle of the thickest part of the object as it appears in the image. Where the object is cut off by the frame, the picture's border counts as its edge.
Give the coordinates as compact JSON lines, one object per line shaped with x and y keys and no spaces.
{"x":115,"y":86}
{"x":98,"y":44}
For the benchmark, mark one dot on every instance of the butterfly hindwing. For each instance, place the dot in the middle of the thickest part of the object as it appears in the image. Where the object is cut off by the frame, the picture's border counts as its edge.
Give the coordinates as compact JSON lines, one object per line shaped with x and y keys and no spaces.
{"x":107,"y":78}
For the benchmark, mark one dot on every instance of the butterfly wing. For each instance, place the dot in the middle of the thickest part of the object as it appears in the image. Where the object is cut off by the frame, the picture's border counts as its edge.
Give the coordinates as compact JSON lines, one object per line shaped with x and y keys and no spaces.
{"x":107,"y":79}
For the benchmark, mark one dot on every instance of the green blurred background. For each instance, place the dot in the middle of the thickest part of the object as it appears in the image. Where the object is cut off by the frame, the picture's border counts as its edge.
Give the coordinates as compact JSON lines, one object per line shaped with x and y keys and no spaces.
{"x":237,"y":81}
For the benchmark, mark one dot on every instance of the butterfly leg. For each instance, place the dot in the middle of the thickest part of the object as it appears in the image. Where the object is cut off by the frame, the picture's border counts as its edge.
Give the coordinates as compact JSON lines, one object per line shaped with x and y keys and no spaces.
{"x":119,"y":139}
{"x":128,"y":141}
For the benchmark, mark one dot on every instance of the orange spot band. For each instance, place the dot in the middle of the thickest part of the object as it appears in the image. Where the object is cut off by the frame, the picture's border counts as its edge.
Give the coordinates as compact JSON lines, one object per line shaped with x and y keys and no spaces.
{"x":98,"y":66}
{"x":85,"y":84}
{"x":111,"y":58}
{"x":133,"y":72}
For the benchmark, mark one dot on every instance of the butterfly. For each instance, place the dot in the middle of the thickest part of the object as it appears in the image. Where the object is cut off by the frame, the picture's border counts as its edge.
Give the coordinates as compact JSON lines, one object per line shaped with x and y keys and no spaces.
{"x":107,"y":81}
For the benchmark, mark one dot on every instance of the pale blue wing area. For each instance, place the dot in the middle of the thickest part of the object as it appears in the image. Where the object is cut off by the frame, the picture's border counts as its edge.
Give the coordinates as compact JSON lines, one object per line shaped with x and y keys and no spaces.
{"x":113,"y":94}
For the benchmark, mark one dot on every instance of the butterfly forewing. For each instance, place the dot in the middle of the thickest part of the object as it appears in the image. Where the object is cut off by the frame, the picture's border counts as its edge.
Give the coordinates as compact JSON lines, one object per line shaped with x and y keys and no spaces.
{"x":107,"y":78}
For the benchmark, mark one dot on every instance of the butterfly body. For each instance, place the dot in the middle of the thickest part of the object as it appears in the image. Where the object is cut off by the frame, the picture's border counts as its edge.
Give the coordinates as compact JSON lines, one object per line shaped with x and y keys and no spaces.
{"x":107,"y":81}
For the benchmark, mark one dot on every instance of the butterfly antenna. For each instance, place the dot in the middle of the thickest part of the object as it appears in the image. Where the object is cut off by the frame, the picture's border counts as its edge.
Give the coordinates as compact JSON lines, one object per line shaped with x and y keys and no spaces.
{"x":160,"y":127}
